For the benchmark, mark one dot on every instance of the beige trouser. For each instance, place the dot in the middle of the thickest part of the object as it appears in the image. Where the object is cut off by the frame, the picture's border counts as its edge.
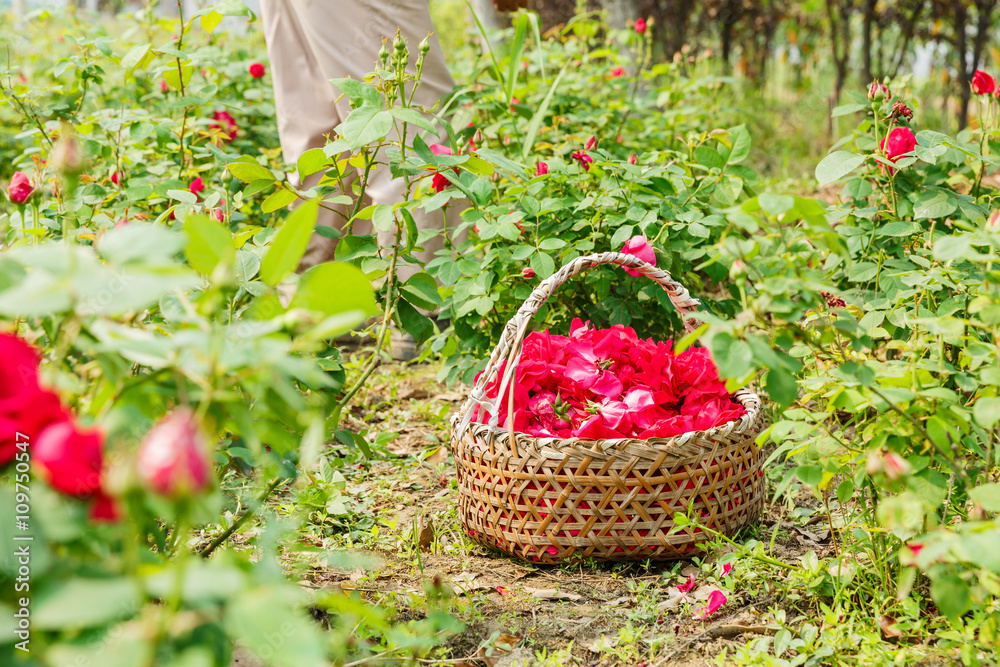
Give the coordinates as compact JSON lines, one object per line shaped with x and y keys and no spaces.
{"x":310,"y":42}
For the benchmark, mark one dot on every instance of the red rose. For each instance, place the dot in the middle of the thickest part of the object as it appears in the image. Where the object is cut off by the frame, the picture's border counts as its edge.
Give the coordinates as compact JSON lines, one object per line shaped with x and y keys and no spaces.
{"x":25,"y":407}
{"x":69,"y":459}
{"x":591,"y":143}
{"x":197,"y":185}
{"x":638,"y":246}
{"x":164,"y":86}
{"x":983,"y":83}
{"x":257,"y":70}
{"x":440,"y":182}
{"x":173,"y":458}
{"x":541,"y":169}
{"x":640,"y":26}
{"x":226,"y":123}
{"x":584,"y":159}
{"x":104,"y":509}
{"x":528,"y":273}
{"x":617,"y":72}
{"x":20,"y":188}
{"x":899,"y":142}
{"x":116,"y":179}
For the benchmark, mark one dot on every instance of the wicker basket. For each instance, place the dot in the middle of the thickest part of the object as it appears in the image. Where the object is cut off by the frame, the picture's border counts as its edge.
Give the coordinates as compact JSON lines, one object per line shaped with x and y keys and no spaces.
{"x":548,"y":499}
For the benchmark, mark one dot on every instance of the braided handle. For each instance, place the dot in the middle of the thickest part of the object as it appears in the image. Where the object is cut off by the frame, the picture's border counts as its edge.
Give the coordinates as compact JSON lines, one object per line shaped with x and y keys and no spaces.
{"x":509,"y":347}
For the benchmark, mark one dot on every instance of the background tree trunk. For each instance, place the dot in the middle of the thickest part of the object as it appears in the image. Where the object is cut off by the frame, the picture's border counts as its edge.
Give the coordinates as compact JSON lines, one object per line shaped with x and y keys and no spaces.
{"x":620,"y":13}
{"x":866,"y":47}
{"x":487,"y":14}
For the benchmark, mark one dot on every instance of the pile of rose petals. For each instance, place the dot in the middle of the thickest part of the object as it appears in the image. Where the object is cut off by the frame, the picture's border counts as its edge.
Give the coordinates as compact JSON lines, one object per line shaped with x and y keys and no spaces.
{"x":609,"y":383}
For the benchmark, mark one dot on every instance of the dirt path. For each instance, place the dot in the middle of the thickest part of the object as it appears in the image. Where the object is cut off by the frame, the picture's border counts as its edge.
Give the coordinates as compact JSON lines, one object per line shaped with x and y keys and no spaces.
{"x":585,"y":614}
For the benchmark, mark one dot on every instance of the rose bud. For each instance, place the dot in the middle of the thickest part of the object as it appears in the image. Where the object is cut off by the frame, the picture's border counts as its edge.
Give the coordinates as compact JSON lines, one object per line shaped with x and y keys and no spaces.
{"x":69,"y":459}
{"x":877,"y":91}
{"x":257,"y":70}
{"x":638,"y":246}
{"x":994,"y":222}
{"x":164,"y":86}
{"x":20,"y":188}
{"x":541,"y":169}
{"x":121,"y":223}
{"x":640,"y":26}
{"x":173,"y":458}
{"x":738,"y":270}
{"x":632,"y":159}
{"x":116,"y":179}
{"x":218,"y":214}
{"x":589,"y":146}
{"x":528,"y":273}
{"x":895,"y":465}
{"x":67,"y":155}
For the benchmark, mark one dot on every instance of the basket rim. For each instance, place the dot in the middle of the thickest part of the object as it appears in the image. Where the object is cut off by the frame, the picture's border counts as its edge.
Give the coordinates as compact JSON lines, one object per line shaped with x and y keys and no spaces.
{"x":750,"y":400}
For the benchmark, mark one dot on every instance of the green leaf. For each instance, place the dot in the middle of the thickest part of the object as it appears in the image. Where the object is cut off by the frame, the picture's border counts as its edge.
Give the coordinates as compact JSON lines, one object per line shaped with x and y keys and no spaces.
{"x":422,"y":290}
{"x":781,"y":386}
{"x":249,"y":172}
{"x":173,"y":78}
{"x":414,"y":322}
{"x":987,"y":412}
{"x":210,"y":21}
{"x":83,"y":603}
{"x":332,"y":288}
{"x":951,"y":595}
{"x":987,"y":496}
{"x":934,"y":204}
{"x":708,"y":157}
{"x":810,"y":475}
{"x":310,"y":162}
{"x":836,"y":165}
{"x":364,"y":126}
{"x":514,"y":64}
{"x":268,"y":621}
{"x":137,"y":57}
{"x":361,"y":93}
{"x":289,"y":244}
{"x":741,"y":144}
{"x":209,"y":243}
{"x":535,"y":124}
{"x":899,"y":228}
{"x":732,"y":356}
{"x":543,"y":264}
{"x":952,"y":247}
{"x":413,"y":117}
{"x":278,"y":199}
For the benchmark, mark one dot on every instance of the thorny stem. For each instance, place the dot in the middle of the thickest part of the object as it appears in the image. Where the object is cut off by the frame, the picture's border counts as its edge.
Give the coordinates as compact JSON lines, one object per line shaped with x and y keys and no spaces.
{"x":180,"y":80}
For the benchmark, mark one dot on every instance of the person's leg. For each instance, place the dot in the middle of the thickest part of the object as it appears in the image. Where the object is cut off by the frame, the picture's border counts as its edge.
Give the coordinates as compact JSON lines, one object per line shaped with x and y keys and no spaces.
{"x":345,"y":39}
{"x":304,"y":102}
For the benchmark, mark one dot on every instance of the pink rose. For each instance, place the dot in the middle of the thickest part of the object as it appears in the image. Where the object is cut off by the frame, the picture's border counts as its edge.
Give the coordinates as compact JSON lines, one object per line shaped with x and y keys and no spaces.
{"x":20,"y":188}
{"x":173,"y":458}
{"x":617,"y":72}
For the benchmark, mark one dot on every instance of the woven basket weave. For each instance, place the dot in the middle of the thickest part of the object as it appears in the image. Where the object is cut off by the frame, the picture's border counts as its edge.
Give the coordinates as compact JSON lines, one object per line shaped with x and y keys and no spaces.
{"x":548,"y":499}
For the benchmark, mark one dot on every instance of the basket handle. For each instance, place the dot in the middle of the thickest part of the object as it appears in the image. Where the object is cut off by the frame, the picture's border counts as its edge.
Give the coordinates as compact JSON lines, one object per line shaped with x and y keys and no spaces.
{"x":509,"y":347}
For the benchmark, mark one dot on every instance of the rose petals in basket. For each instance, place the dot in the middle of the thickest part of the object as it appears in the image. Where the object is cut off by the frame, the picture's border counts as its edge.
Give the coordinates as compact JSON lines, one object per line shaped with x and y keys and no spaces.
{"x":609,"y":383}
